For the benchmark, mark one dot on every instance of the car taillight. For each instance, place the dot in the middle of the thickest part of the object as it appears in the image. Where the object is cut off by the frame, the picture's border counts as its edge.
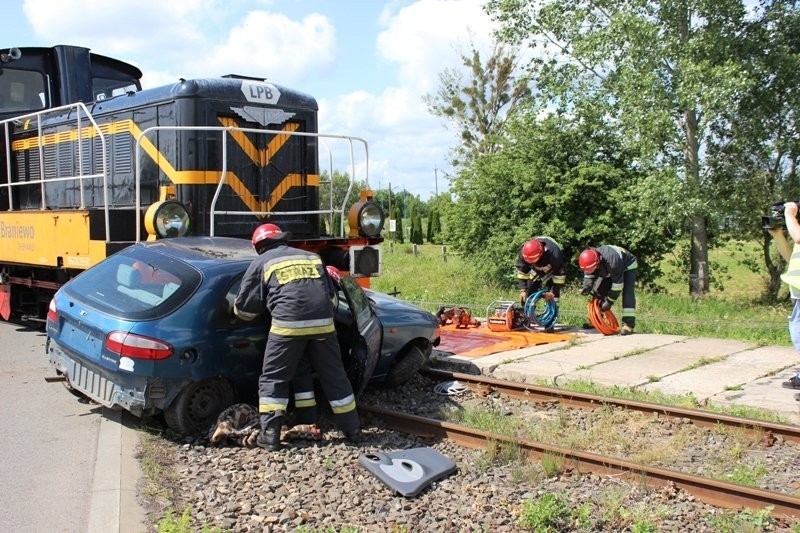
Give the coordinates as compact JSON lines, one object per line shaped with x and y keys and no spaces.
{"x":137,"y":346}
{"x":52,"y":312}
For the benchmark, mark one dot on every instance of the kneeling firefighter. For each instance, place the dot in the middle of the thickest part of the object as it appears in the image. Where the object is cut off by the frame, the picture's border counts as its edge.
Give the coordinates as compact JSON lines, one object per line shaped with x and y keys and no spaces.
{"x":293,"y":286}
{"x":609,"y":270}
{"x":540,"y":265}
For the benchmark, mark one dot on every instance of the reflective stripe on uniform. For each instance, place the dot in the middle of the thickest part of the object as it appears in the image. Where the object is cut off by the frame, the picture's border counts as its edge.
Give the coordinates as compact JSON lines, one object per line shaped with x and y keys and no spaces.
{"x":345,"y":405}
{"x":559,"y":280}
{"x":244,"y":315}
{"x":617,"y":286}
{"x":270,"y":405}
{"x":523,"y":275}
{"x":288,"y":269}
{"x":294,"y":328}
{"x":304,"y":399}
{"x":628,"y":311}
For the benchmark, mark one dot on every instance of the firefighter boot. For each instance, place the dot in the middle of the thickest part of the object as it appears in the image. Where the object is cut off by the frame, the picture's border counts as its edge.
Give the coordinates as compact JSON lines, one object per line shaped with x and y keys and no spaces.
{"x":626,"y":329}
{"x":270,"y":436}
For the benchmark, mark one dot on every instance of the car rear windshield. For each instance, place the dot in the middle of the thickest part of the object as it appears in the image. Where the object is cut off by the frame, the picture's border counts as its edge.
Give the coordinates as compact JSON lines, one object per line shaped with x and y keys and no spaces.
{"x":139,"y":286}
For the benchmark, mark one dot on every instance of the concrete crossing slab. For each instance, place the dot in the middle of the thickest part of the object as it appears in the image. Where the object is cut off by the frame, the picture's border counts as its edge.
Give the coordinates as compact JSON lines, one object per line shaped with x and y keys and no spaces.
{"x":733,"y":372}
{"x":642,"y":368}
{"x":765,"y":393}
{"x":552,"y":364}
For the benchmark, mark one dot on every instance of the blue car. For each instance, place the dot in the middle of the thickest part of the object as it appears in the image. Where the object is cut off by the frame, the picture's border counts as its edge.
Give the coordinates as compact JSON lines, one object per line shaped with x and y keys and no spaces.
{"x":151,"y":330}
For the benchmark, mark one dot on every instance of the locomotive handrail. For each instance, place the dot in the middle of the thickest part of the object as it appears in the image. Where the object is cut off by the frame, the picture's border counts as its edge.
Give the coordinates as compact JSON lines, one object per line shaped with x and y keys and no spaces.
{"x":225,"y":130}
{"x":42,"y":181}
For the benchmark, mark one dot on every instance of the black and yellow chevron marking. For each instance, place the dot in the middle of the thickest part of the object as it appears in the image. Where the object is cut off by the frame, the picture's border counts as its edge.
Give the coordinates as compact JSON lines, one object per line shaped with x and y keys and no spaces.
{"x":260,"y":157}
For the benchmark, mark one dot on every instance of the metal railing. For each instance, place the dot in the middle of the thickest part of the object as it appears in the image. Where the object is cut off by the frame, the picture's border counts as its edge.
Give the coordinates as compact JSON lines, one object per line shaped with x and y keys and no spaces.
{"x":89,"y":131}
{"x":229,"y":130}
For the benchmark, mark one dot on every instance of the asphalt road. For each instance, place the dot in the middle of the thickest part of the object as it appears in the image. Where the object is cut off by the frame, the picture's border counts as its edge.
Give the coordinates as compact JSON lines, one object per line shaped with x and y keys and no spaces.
{"x":48,"y":443}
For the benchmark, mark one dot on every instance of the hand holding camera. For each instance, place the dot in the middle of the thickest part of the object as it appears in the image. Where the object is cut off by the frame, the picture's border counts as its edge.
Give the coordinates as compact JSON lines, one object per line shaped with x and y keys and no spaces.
{"x":775,"y":219}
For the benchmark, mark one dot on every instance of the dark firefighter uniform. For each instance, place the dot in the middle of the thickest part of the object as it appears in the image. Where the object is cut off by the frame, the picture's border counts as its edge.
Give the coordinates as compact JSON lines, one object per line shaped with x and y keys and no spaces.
{"x":615,"y":273}
{"x":548,"y":272}
{"x":294,"y":288}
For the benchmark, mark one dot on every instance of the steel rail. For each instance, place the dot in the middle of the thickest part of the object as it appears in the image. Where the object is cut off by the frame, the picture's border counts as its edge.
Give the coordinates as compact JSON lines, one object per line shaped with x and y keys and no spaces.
{"x":536,"y":393}
{"x":711,"y":491}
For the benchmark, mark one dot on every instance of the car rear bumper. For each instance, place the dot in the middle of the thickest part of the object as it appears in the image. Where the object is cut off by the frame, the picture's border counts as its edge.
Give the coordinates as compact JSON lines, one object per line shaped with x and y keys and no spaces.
{"x":111,"y":389}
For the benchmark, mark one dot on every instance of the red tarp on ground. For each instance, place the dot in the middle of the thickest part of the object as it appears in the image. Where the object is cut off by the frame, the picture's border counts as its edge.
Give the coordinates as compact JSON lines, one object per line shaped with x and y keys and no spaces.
{"x":477,"y":342}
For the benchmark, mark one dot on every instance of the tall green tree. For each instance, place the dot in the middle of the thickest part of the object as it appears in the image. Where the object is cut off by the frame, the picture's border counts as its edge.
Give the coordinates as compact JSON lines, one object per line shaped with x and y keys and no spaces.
{"x":434,"y":226}
{"x":661,"y":71}
{"x":397,"y":216}
{"x":478,"y":99}
{"x":755,"y":161}
{"x":415,"y":236}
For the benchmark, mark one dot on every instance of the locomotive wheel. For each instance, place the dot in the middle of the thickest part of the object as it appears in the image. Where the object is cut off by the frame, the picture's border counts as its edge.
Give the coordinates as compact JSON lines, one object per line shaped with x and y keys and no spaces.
{"x":198,"y":405}
{"x":405,"y":368}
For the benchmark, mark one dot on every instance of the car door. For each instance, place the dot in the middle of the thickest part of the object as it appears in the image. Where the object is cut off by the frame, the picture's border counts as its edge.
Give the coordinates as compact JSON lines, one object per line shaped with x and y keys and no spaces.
{"x":362,"y":345}
{"x":240,"y":344}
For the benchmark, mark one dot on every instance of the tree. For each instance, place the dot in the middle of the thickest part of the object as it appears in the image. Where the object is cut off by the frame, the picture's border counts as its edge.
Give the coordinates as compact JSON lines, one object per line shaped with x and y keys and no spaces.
{"x":755,"y":161}
{"x":397,"y":215}
{"x":416,"y":227}
{"x":662,"y":72}
{"x":434,"y":226}
{"x":480,"y":105}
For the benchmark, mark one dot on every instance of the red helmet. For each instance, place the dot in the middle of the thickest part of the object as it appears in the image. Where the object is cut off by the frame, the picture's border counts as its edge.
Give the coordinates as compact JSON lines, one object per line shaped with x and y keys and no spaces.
{"x":266,"y":232}
{"x":588,"y":260}
{"x":334,"y":274}
{"x":532,"y":250}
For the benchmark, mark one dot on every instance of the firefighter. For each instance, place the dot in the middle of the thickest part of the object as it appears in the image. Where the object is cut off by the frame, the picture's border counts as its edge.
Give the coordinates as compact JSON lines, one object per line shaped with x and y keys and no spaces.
{"x":293,"y":286}
{"x":540,"y":264}
{"x":609,"y":270}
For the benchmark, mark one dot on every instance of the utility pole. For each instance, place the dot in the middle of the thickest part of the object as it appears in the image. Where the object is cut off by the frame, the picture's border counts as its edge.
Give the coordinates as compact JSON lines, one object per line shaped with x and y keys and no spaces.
{"x":436,"y":179}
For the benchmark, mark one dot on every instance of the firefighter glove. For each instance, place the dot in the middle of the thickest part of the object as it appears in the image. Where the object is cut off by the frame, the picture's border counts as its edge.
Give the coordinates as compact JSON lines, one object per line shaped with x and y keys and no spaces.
{"x":548,"y":296}
{"x":606,"y":305}
{"x":523,"y":295}
{"x":586,"y":290}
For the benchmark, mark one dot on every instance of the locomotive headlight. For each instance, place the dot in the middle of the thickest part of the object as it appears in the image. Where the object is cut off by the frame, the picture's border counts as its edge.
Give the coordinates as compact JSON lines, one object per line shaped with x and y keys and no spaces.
{"x":167,"y":219}
{"x":367,"y":217}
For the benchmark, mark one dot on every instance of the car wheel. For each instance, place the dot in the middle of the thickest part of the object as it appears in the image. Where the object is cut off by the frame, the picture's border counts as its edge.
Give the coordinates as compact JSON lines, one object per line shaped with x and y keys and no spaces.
{"x":405,"y":367}
{"x":198,"y":405}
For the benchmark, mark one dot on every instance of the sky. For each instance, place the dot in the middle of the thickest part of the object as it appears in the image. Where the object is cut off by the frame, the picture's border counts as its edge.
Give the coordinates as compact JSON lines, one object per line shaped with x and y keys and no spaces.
{"x":368,"y":63}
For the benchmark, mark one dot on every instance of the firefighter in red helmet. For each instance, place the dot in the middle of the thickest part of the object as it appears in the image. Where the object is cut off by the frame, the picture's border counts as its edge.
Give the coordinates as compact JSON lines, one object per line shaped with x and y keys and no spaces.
{"x":540,"y":264}
{"x":609,"y":271}
{"x":294,"y":288}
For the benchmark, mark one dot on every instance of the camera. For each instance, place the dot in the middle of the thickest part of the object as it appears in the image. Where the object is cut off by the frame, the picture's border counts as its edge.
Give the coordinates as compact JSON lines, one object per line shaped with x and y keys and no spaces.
{"x":775,"y":217}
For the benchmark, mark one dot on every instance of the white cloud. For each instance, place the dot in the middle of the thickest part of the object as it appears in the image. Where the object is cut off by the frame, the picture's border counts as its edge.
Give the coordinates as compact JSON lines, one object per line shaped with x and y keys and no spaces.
{"x":407,"y":142}
{"x":427,"y":36}
{"x":271,"y":43}
{"x":124,"y":28}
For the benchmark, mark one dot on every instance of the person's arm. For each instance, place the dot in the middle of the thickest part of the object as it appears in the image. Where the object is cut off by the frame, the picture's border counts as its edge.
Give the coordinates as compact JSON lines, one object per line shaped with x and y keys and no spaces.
{"x":793,"y":226}
{"x":790,"y":214}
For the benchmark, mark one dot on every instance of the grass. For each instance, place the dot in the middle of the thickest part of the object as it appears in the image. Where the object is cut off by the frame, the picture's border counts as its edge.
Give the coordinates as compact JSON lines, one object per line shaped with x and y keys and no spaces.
{"x":732,"y":310}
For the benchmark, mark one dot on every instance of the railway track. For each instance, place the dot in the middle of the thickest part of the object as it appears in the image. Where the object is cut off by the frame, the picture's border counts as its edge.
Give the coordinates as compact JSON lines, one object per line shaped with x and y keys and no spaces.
{"x":534,"y":393}
{"x":711,"y":491}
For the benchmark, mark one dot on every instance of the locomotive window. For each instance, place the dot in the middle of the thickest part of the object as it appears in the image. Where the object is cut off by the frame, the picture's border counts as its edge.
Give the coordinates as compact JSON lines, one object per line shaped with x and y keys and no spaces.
{"x":103,"y":88}
{"x":21,"y":90}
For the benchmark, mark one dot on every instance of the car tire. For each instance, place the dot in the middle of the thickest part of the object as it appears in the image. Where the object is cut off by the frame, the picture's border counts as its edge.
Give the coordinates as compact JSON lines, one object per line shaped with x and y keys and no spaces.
{"x":406,"y":367}
{"x":198,"y":405}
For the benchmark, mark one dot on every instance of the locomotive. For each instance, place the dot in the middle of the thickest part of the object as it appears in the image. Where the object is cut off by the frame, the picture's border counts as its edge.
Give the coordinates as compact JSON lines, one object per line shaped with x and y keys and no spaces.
{"x":90,"y":163}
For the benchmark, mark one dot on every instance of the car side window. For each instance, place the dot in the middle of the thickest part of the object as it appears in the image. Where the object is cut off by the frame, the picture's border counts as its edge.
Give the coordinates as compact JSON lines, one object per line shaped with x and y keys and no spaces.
{"x":228,"y":317}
